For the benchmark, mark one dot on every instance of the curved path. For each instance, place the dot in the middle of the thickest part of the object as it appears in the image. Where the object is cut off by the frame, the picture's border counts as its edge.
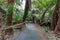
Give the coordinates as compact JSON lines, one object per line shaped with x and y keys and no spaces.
{"x":29,"y":33}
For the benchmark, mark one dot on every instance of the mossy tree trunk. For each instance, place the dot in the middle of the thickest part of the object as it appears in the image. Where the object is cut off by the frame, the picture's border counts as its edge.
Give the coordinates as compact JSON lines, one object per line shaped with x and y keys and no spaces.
{"x":10,"y":11}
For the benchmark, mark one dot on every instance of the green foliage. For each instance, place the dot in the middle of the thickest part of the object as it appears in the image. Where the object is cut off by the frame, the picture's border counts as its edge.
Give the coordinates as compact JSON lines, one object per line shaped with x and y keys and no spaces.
{"x":46,"y":29}
{"x":29,"y":17}
{"x":18,"y":2}
{"x":38,"y":5}
{"x":10,"y":9}
{"x":36,"y":15}
{"x":44,"y":5}
{"x":2,"y":2}
{"x":18,"y":17}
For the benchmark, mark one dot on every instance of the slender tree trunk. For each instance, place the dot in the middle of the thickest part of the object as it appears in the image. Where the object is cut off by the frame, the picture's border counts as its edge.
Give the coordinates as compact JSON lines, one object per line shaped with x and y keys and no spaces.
{"x":9,"y":18}
{"x":26,"y":10}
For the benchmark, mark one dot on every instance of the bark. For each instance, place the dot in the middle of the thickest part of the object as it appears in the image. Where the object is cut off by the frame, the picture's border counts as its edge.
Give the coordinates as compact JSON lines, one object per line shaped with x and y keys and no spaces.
{"x":54,"y":20}
{"x":10,"y":1}
{"x":29,"y":4}
{"x":26,"y":10}
{"x":55,"y":15}
{"x":9,"y":18}
{"x":57,"y":28}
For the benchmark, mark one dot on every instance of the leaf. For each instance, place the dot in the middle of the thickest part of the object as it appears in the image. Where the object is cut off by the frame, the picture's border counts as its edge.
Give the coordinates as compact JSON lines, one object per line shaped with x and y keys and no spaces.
{"x":17,"y":2}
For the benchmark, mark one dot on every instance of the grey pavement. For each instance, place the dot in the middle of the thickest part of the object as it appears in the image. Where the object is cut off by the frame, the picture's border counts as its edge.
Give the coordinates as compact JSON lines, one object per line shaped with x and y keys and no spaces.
{"x":29,"y":33}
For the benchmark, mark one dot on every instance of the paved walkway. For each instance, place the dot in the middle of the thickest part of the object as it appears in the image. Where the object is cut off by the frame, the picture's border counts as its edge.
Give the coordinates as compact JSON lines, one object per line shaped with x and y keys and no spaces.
{"x":29,"y":33}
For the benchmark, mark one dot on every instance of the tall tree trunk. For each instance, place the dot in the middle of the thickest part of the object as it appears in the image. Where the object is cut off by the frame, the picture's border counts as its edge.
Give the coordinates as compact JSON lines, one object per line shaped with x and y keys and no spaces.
{"x":9,"y":18}
{"x":29,"y":4}
{"x":57,"y":28}
{"x":54,"y":20}
{"x":26,"y":10}
{"x":55,"y":16}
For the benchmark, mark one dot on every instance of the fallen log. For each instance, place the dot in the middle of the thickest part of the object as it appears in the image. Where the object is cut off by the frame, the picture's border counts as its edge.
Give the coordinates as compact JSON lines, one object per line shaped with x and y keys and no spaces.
{"x":8,"y":30}
{"x":13,"y":26}
{"x":11,"y":29}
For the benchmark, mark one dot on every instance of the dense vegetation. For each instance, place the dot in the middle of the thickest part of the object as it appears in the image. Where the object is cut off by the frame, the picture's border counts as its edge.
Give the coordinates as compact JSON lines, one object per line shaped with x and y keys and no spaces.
{"x":38,"y":11}
{"x":45,"y":13}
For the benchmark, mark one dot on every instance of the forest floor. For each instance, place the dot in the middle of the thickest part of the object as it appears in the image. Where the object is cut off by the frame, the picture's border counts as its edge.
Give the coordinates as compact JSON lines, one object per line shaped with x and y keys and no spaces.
{"x":32,"y":32}
{"x":46,"y":35}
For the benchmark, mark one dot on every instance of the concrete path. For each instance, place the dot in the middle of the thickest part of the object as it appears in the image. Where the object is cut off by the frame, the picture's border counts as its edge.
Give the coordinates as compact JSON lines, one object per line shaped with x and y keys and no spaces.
{"x":29,"y":33}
